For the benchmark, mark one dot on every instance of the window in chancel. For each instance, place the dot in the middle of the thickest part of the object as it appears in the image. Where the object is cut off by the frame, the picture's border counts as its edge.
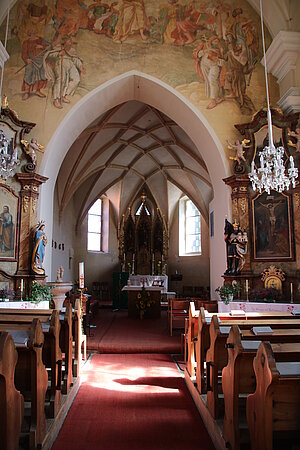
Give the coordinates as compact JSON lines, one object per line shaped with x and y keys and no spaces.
{"x":94,"y":235}
{"x":189,"y":228}
{"x":139,"y":210}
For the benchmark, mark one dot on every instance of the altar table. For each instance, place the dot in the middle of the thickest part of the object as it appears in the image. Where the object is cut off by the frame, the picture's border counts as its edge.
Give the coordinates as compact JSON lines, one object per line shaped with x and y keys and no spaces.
{"x":147,"y":280}
{"x":258,"y":306}
{"x":155,"y":293}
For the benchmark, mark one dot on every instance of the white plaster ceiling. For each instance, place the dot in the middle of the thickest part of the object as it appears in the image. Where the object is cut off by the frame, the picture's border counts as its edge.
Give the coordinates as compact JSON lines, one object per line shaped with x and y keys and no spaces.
{"x":131,"y":147}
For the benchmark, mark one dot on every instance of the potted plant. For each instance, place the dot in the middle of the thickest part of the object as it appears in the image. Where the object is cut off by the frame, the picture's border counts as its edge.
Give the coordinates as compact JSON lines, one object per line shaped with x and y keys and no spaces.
{"x":228,"y":291}
{"x":39,"y":293}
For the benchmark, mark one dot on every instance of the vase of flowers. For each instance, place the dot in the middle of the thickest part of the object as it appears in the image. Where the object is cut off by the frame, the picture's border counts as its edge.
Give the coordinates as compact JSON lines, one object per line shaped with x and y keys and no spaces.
{"x":228,"y":291}
{"x":143,"y":302}
{"x":6,"y":295}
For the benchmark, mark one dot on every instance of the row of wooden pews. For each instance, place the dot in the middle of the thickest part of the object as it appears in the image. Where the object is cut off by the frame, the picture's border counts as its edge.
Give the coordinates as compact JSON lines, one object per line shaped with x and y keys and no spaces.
{"x":37,"y":366}
{"x":234,"y":371}
{"x":178,"y":311}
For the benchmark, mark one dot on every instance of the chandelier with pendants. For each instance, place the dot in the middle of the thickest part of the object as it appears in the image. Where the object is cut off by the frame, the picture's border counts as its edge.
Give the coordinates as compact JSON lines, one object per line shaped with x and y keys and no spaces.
{"x":272,"y":172}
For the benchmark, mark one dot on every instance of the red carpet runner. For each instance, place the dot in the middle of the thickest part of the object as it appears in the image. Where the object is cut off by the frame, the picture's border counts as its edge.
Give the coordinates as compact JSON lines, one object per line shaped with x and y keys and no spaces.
{"x":132,"y":402}
{"x":116,"y":333}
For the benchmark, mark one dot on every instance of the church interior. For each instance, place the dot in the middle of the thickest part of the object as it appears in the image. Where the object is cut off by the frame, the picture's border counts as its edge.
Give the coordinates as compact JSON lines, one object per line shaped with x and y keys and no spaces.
{"x":150,"y":224}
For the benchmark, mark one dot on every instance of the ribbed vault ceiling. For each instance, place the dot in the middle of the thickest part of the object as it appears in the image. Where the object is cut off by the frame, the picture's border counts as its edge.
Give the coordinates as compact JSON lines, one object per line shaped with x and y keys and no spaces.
{"x":128,"y":147}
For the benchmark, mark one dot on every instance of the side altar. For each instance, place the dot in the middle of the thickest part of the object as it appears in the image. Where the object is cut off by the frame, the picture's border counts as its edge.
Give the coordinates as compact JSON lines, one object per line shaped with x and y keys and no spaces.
{"x":135,"y":297}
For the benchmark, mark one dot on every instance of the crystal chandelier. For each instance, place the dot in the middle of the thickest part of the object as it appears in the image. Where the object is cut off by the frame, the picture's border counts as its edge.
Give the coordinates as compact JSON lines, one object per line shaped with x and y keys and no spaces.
{"x":271,"y":174}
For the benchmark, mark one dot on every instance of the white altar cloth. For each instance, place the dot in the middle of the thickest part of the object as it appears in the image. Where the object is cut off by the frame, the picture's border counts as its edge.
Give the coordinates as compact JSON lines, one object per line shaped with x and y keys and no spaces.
{"x":138,"y":288}
{"x":258,"y":307}
{"x":24,"y":305}
{"x":147,"y":280}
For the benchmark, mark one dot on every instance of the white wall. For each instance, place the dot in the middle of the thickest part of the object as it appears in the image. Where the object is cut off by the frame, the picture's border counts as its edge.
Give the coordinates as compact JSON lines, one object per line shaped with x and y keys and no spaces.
{"x":195,"y":269}
{"x":62,"y":234}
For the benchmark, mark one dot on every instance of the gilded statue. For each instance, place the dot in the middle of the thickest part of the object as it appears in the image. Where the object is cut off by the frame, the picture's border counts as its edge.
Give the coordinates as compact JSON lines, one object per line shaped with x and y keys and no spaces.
{"x":236,"y":247}
{"x":239,"y":148}
{"x":31,"y":148}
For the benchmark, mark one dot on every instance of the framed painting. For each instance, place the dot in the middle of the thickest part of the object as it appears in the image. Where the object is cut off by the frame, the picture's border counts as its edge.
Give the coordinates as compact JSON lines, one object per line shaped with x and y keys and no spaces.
{"x":9,"y":224}
{"x":272,"y":227}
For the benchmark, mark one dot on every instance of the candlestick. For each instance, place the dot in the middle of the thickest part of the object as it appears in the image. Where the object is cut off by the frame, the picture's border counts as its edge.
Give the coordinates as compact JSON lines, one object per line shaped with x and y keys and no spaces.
{"x":292,"y":293}
{"x":81,"y":275}
{"x":21,"y":287}
{"x":247,"y":290}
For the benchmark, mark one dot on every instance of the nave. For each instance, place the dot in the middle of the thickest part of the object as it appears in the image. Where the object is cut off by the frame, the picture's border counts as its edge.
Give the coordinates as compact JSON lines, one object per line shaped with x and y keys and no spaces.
{"x":133,"y":400}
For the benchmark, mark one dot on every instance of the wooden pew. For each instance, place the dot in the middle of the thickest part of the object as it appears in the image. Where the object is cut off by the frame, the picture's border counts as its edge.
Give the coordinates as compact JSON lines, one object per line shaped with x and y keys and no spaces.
{"x":79,"y":339}
{"x":177,"y":313}
{"x":65,"y":341}
{"x":31,"y":377}
{"x":273,"y":411}
{"x":217,"y":356}
{"x":11,"y":400}
{"x":238,"y":378}
{"x":192,"y":336}
{"x":203,"y":340}
{"x":52,"y":357}
{"x":65,"y":337}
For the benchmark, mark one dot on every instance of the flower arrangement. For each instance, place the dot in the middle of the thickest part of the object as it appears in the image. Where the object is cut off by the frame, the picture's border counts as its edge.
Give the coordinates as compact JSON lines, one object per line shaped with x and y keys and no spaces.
{"x":143,"y":302}
{"x":7,"y":293}
{"x":265,"y":294}
{"x":228,"y":291}
{"x":40,"y":292}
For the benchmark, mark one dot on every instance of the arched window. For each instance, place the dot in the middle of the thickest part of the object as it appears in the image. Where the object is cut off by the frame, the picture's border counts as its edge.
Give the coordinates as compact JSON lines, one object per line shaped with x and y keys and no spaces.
{"x":94,"y":234}
{"x":138,"y":212}
{"x":189,"y":228}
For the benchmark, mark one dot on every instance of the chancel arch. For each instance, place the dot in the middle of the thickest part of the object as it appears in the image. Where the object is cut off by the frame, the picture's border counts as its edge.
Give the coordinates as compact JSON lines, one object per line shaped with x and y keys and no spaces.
{"x":95,"y":174}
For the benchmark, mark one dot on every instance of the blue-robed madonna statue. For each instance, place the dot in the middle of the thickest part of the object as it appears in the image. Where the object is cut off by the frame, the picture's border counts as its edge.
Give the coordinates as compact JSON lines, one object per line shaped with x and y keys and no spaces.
{"x":38,"y":254}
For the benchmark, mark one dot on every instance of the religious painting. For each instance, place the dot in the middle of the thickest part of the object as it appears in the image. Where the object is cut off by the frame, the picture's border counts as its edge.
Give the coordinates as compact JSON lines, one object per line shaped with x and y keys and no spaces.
{"x":272,"y":227}
{"x":9,"y":217}
{"x":207,"y":50}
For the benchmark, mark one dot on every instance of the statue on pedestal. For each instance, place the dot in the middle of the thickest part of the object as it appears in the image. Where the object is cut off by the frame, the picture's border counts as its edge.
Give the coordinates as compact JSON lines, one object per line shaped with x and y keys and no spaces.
{"x":236,"y":247}
{"x":39,"y":245}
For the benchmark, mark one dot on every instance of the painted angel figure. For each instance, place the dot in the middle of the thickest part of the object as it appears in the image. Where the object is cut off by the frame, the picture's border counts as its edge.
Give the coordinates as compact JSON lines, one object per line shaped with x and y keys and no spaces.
{"x":239,"y":147}
{"x":295,"y":134}
{"x":31,"y":148}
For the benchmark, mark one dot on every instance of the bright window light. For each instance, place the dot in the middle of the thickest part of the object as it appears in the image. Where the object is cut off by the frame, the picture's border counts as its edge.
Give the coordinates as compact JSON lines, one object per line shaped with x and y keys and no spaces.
{"x":94,"y":227}
{"x":189,"y":228}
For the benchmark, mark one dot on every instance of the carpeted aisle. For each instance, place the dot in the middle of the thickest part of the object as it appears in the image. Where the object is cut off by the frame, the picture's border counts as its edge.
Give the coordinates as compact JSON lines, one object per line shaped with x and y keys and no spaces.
{"x":116,"y":333}
{"x":132,"y":402}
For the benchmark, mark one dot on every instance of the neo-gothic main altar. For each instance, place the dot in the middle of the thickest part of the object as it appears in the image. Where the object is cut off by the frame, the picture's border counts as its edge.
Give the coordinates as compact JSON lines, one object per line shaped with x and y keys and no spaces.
{"x":143,"y":237}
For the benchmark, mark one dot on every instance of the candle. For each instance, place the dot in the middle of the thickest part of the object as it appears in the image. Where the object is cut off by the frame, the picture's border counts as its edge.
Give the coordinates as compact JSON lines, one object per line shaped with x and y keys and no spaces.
{"x":81,"y":275}
{"x":291,"y":289}
{"x":247,"y":286}
{"x":22,"y":286}
{"x":133,"y":257}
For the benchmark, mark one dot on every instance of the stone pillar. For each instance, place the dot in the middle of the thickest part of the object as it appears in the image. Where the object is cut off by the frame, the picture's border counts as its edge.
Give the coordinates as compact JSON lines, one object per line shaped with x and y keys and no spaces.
{"x":240,"y":208}
{"x":29,"y":194}
{"x":283,"y":55}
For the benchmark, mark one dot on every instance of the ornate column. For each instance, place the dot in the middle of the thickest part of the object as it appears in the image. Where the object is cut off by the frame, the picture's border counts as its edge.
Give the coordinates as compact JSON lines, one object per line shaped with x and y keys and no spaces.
{"x":29,"y":194}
